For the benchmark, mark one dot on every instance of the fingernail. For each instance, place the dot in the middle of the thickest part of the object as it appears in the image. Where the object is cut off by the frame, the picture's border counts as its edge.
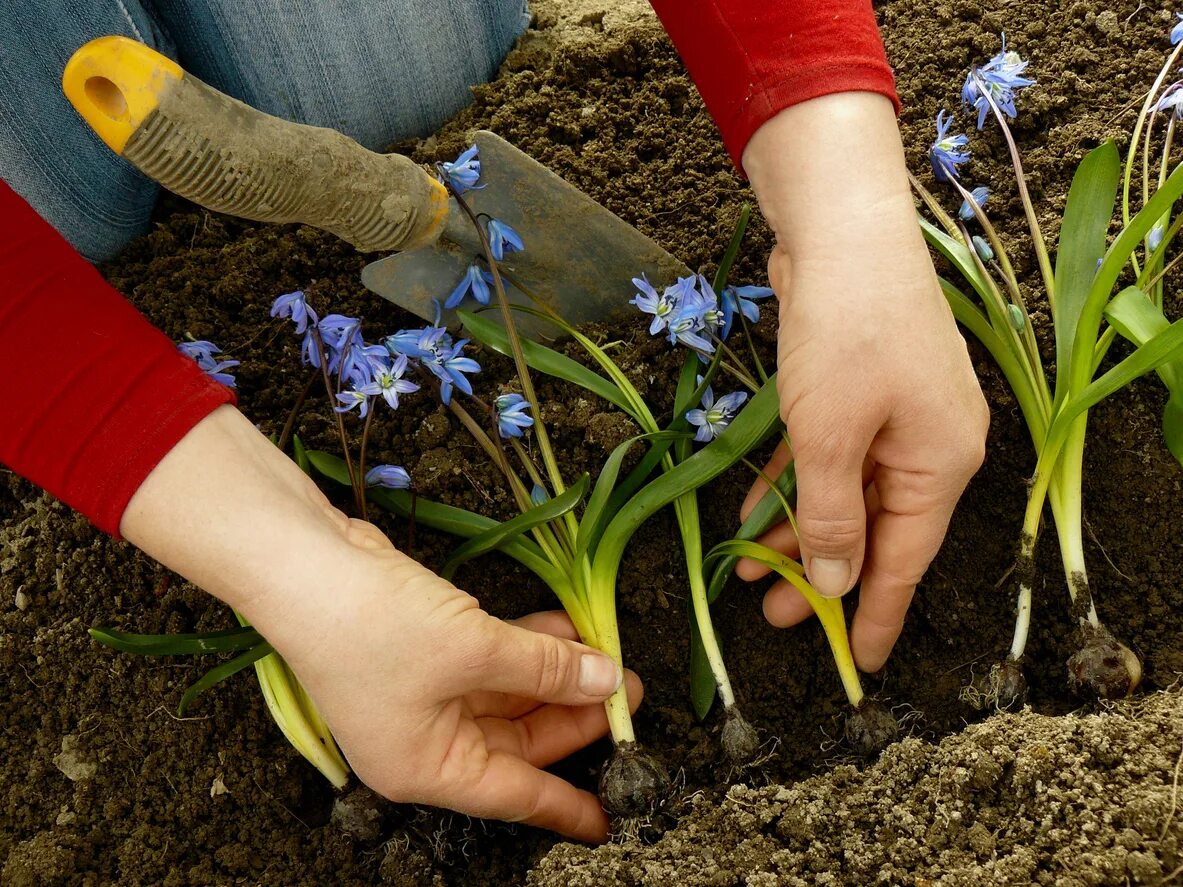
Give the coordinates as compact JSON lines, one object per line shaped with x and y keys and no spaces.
{"x":830,"y":577}
{"x":598,"y":675}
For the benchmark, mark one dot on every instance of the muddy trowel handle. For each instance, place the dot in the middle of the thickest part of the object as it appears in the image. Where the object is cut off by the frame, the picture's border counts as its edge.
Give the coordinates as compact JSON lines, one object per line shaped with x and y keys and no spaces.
{"x":231,"y":158}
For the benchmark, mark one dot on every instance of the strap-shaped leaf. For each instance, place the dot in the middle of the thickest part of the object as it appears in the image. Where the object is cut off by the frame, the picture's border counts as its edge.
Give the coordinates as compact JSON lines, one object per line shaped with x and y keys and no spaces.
{"x":226,"y":670}
{"x":732,"y":251}
{"x":598,"y":511}
{"x":1087,"y":215}
{"x":224,"y":641}
{"x":769,"y":512}
{"x":544,"y":359}
{"x":756,"y":422}
{"x":703,"y":688}
{"x":300,"y":455}
{"x":1138,"y":319}
{"x":502,"y":534}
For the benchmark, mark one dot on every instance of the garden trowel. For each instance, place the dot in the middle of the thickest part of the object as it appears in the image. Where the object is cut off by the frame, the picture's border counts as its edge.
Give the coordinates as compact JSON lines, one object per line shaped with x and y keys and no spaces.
{"x":231,"y":158}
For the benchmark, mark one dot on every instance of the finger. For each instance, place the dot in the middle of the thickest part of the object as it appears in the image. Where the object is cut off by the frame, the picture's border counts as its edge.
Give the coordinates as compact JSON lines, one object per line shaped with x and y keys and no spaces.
{"x":831,"y":514}
{"x":781,"y":457}
{"x":543,"y":667}
{"x":784,"y":606}
{"x":551,"y":732}
{"x":901,"y":548}
{"x":509,"y":789}
{"x":552,"y":622}
{"x":782,"y":538}
{"x":503,"y":705}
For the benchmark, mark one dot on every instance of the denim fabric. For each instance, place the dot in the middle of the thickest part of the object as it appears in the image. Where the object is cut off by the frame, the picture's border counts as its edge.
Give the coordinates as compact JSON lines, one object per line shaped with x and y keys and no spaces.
{"x":376,"y":70}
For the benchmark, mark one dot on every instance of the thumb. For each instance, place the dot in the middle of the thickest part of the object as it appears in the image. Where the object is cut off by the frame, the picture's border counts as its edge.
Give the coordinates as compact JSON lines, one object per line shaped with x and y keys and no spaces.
{"x":831,"y":515}
{"x":548,"y":668}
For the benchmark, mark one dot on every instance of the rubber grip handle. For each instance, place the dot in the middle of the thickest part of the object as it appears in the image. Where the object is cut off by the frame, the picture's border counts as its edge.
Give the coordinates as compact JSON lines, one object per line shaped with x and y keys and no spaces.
{"x":231,"y":158}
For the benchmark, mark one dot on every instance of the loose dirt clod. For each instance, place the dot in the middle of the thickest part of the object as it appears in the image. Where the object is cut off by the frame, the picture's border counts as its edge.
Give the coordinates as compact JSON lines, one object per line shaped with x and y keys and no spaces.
{"x":633,"y":783}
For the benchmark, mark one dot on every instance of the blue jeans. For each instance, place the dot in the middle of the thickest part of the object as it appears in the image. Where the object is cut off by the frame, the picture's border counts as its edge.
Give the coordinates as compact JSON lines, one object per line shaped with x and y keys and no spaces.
{"x":376,"y":70}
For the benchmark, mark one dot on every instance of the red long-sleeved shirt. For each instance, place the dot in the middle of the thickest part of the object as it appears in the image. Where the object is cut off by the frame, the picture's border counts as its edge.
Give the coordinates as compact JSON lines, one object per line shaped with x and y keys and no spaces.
{"x":89,"y":416}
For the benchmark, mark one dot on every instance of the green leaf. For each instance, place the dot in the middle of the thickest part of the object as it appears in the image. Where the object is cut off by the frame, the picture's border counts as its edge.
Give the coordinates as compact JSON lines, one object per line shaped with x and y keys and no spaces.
{"x":497,"y":537}
{"x":703,"y":688}
{"x":755,"y":423}
{"x":769,"y":512}
{"x":741,"y":226}
{"x":1112,"y":265}
{"x":545,"y":360}
{"x":958,"y":254}
{"x":1138,"y":319}
{"x":300,"y":454}
{"x":598,"y":511}
{"x":226,"y":670}
{"x":178,"y":644}
{"x":1087,"y":215}
{"x":1158,"y":350}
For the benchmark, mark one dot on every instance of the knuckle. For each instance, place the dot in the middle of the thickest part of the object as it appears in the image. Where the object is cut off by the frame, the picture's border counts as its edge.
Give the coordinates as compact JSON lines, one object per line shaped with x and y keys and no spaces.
{"x":826,"y":534}
{"x":551,"y":667}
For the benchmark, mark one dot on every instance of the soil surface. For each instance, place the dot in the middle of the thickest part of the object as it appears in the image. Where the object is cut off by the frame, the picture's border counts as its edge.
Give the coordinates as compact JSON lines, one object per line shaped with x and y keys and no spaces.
{"x":101,"y":784}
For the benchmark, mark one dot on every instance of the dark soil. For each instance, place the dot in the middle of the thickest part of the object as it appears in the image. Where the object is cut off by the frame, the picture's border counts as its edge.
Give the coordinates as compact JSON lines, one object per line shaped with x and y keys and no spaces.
{"x":101,"y":784}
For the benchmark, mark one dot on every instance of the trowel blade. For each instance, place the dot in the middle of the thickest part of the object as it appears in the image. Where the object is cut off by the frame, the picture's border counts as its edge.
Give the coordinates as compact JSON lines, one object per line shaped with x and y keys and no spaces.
{"x":579,"y":257}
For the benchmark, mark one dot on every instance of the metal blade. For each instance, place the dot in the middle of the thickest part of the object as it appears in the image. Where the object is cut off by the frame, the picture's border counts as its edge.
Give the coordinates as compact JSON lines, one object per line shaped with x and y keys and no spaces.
{"x":579,"y":258}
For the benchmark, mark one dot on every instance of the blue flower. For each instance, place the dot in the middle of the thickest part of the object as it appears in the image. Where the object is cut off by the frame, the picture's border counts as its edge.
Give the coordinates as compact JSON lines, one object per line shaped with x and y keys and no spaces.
{"x":511,"y":415}
{"x":446,"y":363}
{"x":203,"y":353}
{"x":696,"y":313}
{"x":982,"y":248}
{"x":475,"y":279}
{"x":714,"y":416}
{"x":662,"y":307}
{"x":387,"y":381}
{"x":1177,"y":31}
{"x":713,"y":316}
{"x":1154,"y":238}
{"x":503,"y":239}
{"x":537,"y":494}
{"x":738,"y":300}
{"x":392,"y":477}
{"x":351,"y":399}
{"x":294,"y":305}
{"x":1172,"y":99}
{"x":464,"y":171}
{"x":947,"y":152}
{"x":980,"y":195}
{"x":1002,"y":79}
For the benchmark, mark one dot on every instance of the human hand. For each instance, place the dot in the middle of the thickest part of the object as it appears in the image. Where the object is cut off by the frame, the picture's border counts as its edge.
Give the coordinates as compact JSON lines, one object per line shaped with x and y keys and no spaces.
{"x":432,"y":700}
{"x":883,"y":409}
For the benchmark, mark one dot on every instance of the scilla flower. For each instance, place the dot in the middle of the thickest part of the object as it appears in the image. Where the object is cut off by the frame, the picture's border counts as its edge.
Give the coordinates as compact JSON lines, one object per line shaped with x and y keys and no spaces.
{"x":714,"y":416}
{"x":1177,"y":31}
{"x":947,"y":152}
{"x":463,"y":172}
{"x":512,"y":419}
{"x":203,"y":353}
{"x":738,"y":300}
{"x":980,"y":195}
{"x":448,"y":365}
{"x":387,"y":381}
{"x":662,"y":306}
{"x":1002,"y":78}
{"x":295,"y":306}
{"x":351,"y":399}
{"x":476,"y":280}
{"x":503,"y":239}
{"x":392,"y":477}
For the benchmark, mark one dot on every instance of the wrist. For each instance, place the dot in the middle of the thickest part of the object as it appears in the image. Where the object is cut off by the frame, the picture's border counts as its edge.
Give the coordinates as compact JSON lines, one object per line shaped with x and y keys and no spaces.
{"x":822,"y":167}
{"x":231,"y":513}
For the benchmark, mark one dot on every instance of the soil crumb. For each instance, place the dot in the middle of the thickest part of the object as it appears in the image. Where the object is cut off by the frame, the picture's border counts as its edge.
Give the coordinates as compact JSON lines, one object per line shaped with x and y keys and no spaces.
{"x":1017,"y":799}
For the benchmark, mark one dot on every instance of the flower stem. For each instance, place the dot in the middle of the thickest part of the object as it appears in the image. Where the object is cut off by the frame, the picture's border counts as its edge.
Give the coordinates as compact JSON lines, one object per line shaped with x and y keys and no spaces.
{"x":290,"y":425}
{"x":358,"y":492}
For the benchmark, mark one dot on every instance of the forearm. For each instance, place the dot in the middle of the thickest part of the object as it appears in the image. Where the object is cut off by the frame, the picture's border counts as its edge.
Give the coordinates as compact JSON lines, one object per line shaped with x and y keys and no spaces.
{"x":231,"y":513}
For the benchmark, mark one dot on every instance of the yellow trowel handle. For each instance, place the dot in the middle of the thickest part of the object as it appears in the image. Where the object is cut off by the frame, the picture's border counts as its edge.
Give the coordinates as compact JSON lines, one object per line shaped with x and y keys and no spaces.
{"x":231,"y":158}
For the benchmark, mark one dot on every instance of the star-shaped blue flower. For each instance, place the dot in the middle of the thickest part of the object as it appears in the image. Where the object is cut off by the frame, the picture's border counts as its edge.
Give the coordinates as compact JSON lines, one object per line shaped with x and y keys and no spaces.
{"x":477,"y":281}
{"x":715,"y":416}
{"x":392,"y":477}
{"x":503,"y":240}
{"x":948,"y":151}
{"x":512,"y":418}
{"x":463,"y":172}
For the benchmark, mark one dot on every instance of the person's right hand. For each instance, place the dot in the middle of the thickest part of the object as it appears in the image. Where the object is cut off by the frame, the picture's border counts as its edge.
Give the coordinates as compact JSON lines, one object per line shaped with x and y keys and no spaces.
{"x":432,"y":700}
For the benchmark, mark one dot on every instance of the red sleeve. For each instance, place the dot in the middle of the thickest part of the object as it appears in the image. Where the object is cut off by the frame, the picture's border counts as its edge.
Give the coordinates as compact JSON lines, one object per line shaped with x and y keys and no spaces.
{"x":93,"y":396}
{"x":753,"y":58}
